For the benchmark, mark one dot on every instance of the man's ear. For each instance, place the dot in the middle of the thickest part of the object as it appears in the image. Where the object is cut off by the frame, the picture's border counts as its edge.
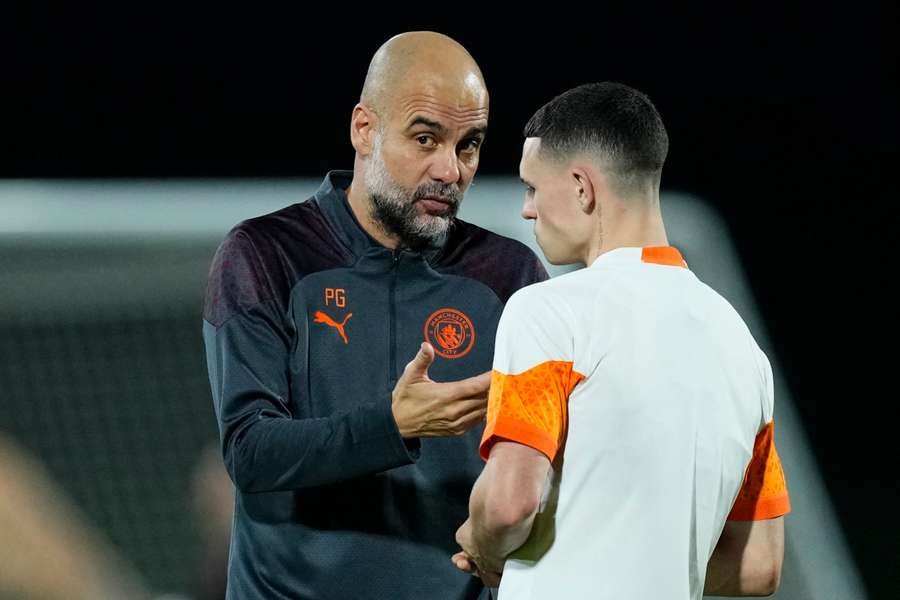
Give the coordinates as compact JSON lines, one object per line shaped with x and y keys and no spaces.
{"x":363,"y":129}
{"x":585,"y":189}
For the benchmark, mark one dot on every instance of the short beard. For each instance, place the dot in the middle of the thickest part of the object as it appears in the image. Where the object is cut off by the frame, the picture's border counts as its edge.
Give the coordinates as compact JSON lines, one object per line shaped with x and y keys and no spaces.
{"x":393,"y":207}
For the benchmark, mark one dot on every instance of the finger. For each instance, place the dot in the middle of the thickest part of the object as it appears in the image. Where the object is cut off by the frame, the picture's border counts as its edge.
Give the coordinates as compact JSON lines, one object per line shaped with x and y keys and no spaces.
{"x":468,"y":421}
{"x":478,"y":385}
{"x":460,"y":409}
{"x":473,"y":387}
{"x":462,"y":562}
{"x":417,"y":368}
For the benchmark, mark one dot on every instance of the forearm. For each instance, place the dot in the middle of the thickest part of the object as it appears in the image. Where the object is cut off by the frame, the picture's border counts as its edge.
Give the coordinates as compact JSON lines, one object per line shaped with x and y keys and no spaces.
{"x":265,"y":447}
{"x":497,"y":541}
{"x":496,"y":533}
{"x":280,"y":453}
{"x":747,"y":559}
{"x":726,"y":576}
{"x":723,"y":576}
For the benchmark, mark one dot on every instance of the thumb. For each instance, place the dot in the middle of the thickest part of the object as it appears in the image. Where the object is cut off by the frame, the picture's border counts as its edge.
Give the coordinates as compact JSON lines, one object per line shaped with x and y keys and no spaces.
{"x":418,"y":366}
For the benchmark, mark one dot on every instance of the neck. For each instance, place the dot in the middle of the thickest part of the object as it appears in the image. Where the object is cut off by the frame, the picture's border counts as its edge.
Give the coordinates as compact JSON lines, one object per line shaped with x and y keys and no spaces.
{"x":361,"y":205}
{"x":628,"y":227}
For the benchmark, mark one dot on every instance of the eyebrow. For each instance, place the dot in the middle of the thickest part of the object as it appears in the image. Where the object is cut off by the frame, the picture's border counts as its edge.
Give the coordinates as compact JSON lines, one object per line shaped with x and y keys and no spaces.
{"x":420,"y":120}
{"x":479,"y":132}
{"x":442,"y":130}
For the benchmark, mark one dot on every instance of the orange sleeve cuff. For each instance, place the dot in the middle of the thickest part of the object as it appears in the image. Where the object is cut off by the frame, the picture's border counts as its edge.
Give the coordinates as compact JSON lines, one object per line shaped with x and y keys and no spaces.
{"x":764,"y":493}
{"x":530,"y":407}
{"x":765,"y":508}
{"x":522,"y":433}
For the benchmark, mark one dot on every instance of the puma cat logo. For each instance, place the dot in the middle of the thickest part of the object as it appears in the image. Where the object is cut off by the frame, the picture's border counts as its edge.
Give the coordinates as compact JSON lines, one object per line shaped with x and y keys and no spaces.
{"x":321,"y":317}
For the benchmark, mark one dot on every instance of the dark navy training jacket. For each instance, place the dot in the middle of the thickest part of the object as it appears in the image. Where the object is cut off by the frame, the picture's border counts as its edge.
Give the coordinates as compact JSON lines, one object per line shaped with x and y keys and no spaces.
{"x":308,"y":324}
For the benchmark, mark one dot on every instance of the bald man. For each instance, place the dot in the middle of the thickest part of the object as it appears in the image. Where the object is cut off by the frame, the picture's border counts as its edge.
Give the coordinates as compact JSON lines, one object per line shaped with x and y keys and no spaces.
{"x":349,"y":339}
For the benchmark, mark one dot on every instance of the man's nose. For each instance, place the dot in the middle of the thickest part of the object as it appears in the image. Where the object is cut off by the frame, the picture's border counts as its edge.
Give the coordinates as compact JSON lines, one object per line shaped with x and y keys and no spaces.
{"x":445,"y":167}
{"x":528,"y":211}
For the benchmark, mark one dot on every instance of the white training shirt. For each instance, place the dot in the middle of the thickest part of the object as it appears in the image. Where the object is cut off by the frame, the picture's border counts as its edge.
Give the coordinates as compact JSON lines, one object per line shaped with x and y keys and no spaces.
{"x":648,"y":393}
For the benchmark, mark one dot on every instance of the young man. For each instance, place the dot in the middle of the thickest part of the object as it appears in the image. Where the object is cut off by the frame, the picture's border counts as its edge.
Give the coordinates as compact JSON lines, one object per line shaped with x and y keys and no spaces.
{"x":628,"y":398}
{"x":352,"y":474}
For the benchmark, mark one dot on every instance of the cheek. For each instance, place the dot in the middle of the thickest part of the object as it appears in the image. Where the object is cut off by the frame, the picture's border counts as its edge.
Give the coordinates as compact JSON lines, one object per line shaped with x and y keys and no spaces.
{"x":467,"y":168}
{"x":554,"y":228}
{"x":469,"y":162}
{"x":402,"y":164}
{"x":546,"y":213}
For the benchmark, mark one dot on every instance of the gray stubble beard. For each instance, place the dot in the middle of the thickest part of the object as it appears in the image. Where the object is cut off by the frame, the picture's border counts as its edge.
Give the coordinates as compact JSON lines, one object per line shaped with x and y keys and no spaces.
{"x":393,"y":206}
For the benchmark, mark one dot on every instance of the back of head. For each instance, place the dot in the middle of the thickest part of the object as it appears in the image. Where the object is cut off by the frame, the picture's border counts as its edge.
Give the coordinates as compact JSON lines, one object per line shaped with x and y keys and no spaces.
{"x":612,"y":123}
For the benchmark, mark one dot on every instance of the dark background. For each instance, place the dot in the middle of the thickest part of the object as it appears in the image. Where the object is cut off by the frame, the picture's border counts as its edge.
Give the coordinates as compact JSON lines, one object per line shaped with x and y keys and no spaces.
{"x":784,"y":118}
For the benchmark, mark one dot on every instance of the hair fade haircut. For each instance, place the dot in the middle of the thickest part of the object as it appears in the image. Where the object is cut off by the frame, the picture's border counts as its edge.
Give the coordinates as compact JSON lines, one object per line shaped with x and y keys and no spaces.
{"x":611,"y":121}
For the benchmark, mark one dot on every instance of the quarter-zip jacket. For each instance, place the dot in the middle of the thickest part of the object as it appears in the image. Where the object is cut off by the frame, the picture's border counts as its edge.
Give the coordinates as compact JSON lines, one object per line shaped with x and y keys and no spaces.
{"x":308,"y":324}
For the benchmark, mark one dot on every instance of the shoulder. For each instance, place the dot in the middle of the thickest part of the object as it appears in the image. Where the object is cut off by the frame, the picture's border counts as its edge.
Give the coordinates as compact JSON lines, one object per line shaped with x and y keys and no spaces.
{"x":301,"y":223}
{"x":503,"y":264}
{"x":260,"y":259}
{"x":481,"y":237}
{"x":256,"y":244}
{"x":543,"y":299}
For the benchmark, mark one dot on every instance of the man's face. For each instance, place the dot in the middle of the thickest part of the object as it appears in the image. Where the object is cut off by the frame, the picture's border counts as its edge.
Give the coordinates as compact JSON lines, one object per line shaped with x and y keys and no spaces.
{"x":423,"y":159}
{"x":560,"y":226}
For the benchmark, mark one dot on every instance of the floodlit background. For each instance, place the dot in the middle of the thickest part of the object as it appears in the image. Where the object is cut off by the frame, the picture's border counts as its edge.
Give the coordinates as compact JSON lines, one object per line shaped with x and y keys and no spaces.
{"x":132,"y":139}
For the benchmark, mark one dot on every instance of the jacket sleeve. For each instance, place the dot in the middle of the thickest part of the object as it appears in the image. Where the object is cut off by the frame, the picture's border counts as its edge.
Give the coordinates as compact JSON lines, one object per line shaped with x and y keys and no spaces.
{"x":248,"y":339}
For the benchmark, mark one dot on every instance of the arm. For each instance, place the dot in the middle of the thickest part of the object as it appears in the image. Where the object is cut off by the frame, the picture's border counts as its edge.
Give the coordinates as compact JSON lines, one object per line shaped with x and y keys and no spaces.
{"x":747,"y":559}
{"x":531,"y":382}
{"x":248,"y":347}
{"x":748,"y":556}
{"x":266,"y":449}
{"x":503,"y":504}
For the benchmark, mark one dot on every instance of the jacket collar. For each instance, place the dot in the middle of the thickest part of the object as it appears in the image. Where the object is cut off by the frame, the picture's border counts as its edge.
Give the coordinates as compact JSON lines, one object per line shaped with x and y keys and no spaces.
{"x":331,"y":197}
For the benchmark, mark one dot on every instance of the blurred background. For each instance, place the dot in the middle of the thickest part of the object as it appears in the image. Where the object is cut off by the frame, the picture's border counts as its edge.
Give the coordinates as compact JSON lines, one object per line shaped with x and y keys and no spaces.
{"x":133,"y":136}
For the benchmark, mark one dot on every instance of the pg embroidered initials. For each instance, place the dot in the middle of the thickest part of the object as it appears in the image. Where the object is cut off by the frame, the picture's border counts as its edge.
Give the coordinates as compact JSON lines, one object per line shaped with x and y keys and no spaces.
{"x":336,"y":295}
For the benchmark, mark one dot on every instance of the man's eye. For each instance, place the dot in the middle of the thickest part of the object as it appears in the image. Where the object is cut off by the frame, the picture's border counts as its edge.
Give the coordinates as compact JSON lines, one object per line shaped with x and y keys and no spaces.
{"x":471,"y":145}
{"x":424,"y":140}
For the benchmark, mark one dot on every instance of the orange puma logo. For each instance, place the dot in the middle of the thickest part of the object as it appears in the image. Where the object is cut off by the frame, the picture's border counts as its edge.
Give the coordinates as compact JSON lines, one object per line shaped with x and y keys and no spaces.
{"x":321,"y":317}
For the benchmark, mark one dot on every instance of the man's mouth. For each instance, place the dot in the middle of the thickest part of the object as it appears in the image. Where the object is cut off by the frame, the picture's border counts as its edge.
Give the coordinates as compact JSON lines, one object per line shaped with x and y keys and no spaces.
{"x":436,"y":204}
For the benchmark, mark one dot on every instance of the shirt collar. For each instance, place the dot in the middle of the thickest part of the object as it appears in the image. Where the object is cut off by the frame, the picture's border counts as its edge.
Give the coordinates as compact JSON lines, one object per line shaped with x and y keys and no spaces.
{"x":659,"y":255}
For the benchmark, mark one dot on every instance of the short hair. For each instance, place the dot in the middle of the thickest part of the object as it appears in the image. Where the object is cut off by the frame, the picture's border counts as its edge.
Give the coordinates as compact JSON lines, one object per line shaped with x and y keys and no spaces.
{"x":611,"y":121}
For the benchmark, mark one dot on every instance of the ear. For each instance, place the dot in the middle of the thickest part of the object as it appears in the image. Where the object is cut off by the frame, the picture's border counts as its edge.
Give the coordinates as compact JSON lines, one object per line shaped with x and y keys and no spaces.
{"x":585,"y":189}
{"x":363,"y":128}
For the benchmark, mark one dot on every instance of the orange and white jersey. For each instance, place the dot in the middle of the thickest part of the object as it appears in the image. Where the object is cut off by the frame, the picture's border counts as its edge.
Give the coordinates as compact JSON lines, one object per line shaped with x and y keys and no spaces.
{"x":648,"y":393}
